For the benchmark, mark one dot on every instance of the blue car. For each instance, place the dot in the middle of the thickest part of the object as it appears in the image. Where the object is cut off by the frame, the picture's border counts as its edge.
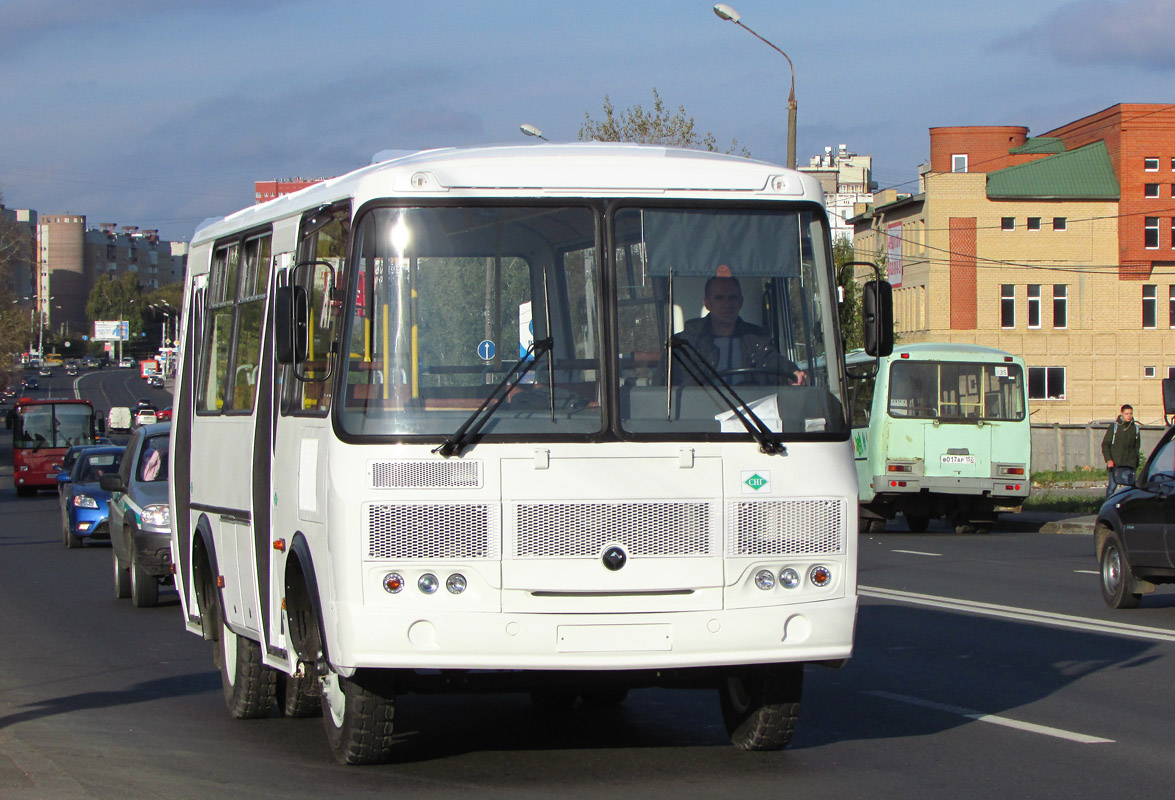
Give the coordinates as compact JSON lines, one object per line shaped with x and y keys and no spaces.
{"x":85,"y":510}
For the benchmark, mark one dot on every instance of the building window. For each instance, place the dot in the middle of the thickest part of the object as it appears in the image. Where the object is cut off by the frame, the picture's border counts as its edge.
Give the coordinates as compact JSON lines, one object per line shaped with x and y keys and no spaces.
{"x":959,"y":162}
{"x":1009,"y":223}
{"x":1034,"y":223}
{"x":1061,"y":305}
{"x":1008,"y":305}
{"x":1046,"y":383}
{"x":1148,"y":372}
{"x":1172,"y":231}
{"x":1171,"y":306}
{"x":1149,"y":305}
{"x":1151,"y":233}
{"x":1171,"y":372}
{"x":1150,"y":190}
{"x":1152,"y":164}
{"x":1034,"y":305}
{"x":1059,"y":223}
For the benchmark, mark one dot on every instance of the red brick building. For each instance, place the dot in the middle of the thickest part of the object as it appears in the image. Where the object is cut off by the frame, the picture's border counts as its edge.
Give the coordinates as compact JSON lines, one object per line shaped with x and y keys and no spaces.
{"x":268,"y":190}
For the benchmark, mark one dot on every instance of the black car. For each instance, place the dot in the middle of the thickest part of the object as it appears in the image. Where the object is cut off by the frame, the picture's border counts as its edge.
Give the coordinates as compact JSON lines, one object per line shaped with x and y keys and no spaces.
{"x":1135,"y":533}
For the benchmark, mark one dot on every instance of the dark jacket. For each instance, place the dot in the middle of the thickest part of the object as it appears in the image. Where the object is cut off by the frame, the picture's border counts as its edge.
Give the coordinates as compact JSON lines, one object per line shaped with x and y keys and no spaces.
{"x":755,"y":350}
{"x":1122,"y":444}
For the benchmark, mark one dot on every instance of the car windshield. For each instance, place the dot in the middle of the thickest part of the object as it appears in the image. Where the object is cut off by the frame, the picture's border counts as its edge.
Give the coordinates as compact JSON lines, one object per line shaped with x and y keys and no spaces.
{"x":52,"y":425}
{"x":92,"y":466}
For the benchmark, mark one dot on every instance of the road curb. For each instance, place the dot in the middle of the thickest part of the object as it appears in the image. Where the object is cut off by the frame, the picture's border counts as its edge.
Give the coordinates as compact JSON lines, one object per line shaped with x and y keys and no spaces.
{"x":1073,"y":525}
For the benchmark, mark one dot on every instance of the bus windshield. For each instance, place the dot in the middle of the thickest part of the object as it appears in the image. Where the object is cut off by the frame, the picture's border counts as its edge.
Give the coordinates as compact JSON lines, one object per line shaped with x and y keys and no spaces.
{"x":447,"y":301}
{"x":955,"y":391}
{"x":52,"y":425}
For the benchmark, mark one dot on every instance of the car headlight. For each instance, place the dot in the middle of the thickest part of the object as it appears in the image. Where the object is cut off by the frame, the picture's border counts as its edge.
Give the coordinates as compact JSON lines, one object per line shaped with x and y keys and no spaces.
{"x":157,"y":515}
{"x":84,"y":501}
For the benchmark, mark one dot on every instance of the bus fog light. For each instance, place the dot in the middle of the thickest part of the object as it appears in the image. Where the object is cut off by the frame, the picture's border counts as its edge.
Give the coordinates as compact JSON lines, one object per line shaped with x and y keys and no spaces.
{"x":393,"y":582}
{"x":820,"y":576}
{"x":456,"y":583}
{"x":428,"y":583}
{"x":789,"y":578}
{"x":765,"y":579}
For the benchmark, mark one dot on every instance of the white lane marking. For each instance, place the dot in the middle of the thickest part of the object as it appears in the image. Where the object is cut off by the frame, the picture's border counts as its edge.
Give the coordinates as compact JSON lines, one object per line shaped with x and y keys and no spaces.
{"x":1086,"y":572}
{"x":917,"y":553}
{"x":994,"y":719}
{"x":1021,"y":614}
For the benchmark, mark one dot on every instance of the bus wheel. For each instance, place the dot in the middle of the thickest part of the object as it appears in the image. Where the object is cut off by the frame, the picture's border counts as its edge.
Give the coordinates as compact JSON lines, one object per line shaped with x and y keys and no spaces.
{"x":1117,"y":577}
{"x":917,"y":523}
{"x":249,"y":686}
{"x":299,"y":696}
{"x":144,"y":587}
{"x":122,"y":578}
{"x":761,"y":704}
{"x":359,"y":722}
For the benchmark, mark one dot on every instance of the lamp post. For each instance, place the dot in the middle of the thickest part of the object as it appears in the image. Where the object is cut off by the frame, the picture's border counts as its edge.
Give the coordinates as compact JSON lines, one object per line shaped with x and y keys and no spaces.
{"x":729,"y":14}
{"x":531,"y":130}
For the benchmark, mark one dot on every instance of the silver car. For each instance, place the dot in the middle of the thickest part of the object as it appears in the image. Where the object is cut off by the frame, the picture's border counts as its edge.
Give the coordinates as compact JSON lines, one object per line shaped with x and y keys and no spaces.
{"x":140,"y":519}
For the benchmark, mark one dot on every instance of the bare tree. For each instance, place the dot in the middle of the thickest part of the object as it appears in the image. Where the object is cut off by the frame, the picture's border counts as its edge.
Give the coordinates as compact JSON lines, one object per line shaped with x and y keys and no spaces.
{"x":635,"y":124}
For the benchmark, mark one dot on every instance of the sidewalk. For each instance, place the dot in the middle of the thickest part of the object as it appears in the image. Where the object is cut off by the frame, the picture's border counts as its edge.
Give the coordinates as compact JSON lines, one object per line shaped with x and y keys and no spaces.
{"x":1071,"y":525}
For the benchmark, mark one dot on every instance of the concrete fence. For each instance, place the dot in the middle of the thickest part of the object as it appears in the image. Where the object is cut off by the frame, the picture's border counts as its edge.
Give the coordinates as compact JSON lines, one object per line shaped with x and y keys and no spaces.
{"x":1064,"y":447}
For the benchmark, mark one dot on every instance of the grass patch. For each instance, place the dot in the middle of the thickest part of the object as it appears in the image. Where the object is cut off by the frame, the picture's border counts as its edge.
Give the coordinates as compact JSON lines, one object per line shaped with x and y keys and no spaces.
{"x":1067,"y":477}
{"x":1077,"y":504}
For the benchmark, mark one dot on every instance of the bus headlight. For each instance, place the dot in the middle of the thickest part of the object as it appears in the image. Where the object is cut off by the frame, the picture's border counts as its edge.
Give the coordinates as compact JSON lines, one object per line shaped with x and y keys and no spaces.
{"x":456,"y":583}
{"x":820,"y":576}
{"x":84,"y":501}
{"x":765,"y":579}
{"x":789,"y":578}
{"x":393,"y":582}
{"x":157,"y":515}
{"x":428,"y":583}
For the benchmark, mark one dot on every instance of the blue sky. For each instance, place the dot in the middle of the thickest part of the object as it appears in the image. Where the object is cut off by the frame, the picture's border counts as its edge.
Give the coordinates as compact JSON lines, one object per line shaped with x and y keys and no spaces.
{"x":161,"y":114}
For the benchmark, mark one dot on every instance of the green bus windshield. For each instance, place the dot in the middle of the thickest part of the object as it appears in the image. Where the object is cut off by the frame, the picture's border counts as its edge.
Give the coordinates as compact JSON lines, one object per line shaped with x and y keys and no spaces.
{"x":956,"y":391}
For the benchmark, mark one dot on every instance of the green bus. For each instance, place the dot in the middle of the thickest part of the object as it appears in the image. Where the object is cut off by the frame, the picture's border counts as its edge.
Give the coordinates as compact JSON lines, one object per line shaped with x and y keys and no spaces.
{"x":939,"y":430}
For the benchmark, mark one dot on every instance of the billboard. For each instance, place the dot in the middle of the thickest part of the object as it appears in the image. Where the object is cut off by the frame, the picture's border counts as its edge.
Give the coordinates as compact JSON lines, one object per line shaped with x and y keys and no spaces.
{"x":111,"y":331}
{"x":893,"y":254}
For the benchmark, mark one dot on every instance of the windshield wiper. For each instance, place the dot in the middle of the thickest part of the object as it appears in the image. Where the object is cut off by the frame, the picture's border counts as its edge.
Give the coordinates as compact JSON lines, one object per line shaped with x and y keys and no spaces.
{"x":457,"y":441}
{"x":705,"y":375}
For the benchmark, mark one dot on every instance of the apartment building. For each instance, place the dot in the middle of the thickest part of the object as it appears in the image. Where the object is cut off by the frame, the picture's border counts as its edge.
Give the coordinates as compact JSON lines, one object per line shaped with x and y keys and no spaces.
{"x":847,"y":179}
{"x":1059,"y":248}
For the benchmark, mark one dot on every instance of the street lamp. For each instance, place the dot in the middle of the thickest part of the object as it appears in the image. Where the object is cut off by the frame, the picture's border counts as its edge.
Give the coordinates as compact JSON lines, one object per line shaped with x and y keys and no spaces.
{"x":729,"y":14}
{"x":531,"y":130}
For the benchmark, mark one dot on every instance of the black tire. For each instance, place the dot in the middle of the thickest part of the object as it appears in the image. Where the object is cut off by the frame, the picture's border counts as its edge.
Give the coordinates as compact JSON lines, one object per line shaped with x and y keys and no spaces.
{"x":917,"y":523}
{"x":299,"y":697}
{"x":761,"y":704}
{"x":359,"y":722}
{"x":144,"y":586}
{"x":1117,"y":578}
{"x":72,"y":542}
{"x":876,"y":525}
{"x":966,"y":527}
{"x":122,"y":578}
{"x":250,"y":687}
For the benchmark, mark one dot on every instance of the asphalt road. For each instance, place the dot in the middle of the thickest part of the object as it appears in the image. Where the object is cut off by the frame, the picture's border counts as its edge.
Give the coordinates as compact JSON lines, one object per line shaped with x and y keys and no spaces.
{"x":985,"y":666}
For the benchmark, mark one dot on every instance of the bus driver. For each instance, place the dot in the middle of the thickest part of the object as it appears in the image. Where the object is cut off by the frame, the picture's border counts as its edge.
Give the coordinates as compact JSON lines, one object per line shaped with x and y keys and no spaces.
{"x":737,"y":350}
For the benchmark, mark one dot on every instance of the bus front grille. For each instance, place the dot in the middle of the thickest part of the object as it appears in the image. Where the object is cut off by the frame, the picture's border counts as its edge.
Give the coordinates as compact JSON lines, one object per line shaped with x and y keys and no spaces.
{"x":583,"y":530}
{"x":785,"y":527}
{"x":432,"y":530}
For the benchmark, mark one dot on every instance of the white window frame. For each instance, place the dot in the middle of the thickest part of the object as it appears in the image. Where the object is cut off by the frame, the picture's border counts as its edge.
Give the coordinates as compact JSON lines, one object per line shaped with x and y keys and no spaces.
{"x":1060,"y":223}
{"x":1150,"y":305}
{"x":960,"y":159}
{"x":1033,"y":223}
{"x":1151,"y":164}
{"x":1149,"y":372}
{"x":1061,"y":301}
{"x":1008,"y":301}
{"x":1007,"y":223}
{"x":1048,"y":371}
{"x":1150,"y":225}
{"x":1150,"y":190}
{"x":1033,"y":293}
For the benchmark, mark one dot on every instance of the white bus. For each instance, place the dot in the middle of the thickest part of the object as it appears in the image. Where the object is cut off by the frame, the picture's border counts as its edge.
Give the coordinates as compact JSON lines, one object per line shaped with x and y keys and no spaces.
{"x":453,"y":421}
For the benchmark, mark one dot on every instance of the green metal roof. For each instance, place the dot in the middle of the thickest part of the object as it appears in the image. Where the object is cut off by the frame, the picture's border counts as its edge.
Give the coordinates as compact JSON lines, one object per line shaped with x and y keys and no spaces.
{"x":1081,"y":174}
{"x":1039,"y":144}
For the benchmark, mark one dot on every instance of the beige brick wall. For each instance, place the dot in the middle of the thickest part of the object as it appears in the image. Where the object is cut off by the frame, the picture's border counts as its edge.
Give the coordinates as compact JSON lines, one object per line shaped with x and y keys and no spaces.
{"x":1103,"y":349}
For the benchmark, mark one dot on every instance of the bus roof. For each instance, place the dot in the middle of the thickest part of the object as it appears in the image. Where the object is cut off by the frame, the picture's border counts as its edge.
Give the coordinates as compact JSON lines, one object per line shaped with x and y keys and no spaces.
{"x":940,"y":351}
{"x":45,"y":401}
{"x":588,"y":169}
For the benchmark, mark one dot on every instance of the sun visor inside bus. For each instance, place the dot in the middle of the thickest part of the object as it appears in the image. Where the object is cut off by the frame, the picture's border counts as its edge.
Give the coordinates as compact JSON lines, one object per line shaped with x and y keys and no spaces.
{"x":692,"y":244}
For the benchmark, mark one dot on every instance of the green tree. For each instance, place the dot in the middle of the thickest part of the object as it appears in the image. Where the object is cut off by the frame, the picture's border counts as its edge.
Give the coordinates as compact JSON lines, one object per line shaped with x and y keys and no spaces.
{"x":118,"y":299}
{"x":635,"y":124}
{"x":850,"y":307}
{"x":15,"y":322}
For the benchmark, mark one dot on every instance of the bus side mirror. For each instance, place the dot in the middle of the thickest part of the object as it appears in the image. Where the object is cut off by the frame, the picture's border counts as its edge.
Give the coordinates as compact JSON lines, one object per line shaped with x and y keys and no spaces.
{"x":877,"y":308}
{"x":291,"y":318}
{"x":99,"y":424}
